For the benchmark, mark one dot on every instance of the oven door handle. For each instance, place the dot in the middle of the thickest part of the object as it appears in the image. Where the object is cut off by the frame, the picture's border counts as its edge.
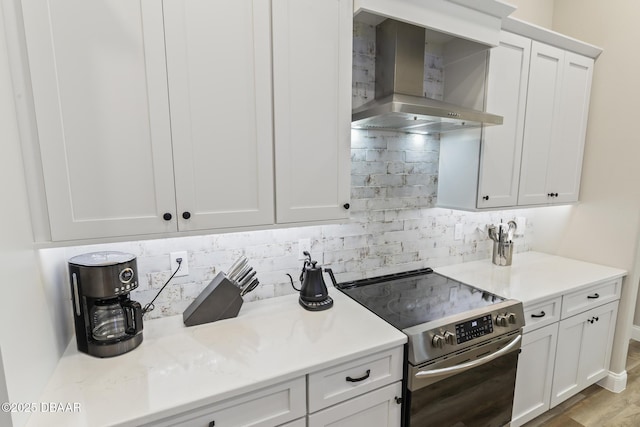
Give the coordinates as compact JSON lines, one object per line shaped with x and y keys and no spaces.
{"x":468,"y":365}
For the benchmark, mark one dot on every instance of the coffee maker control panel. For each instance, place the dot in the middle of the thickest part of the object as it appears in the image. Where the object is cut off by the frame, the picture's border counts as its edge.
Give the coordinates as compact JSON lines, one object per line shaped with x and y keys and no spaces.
{"x":125,"y":289}
{"x":127,"y":282}
{"x":126,"y":275}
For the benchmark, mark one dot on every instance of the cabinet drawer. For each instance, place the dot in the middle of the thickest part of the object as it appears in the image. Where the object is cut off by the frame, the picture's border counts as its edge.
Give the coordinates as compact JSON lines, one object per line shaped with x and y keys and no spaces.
{"x":541,"y":314}
{"x":268,"y":407}
{"x":380,"y":408}
{"x":301,"y":422}
{"x":350,"y":379}
{"x":593,"y":296}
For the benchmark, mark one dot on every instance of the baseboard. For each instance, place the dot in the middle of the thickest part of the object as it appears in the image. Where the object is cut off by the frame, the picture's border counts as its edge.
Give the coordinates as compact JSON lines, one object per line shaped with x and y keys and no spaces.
{"x":614,"y":382}
{"x":635,"y":333}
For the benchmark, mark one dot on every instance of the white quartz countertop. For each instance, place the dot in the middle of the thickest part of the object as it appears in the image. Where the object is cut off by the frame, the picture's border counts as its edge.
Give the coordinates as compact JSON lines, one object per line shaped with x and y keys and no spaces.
{"x":176,"y":368}
{"x":532,"y":276}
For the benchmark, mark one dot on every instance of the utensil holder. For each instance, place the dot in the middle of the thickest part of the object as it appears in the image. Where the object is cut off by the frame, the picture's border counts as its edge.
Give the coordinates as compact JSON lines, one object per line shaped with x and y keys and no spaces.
{"x":502,"y":253}
{"x":219,"y":300}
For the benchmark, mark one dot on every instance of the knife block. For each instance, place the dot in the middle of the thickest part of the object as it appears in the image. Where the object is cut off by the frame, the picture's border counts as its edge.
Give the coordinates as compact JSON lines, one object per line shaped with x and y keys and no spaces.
{"x":219,"y":300}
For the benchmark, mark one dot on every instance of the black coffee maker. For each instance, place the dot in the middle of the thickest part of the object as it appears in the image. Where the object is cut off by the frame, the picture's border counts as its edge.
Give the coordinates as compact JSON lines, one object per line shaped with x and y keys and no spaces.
{"x":313,"y":291}
{"x":108,"y":323}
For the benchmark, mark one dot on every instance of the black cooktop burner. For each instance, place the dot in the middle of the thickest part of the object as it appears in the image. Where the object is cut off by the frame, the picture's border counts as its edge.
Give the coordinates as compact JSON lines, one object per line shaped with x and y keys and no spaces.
{"x":417,"y":297}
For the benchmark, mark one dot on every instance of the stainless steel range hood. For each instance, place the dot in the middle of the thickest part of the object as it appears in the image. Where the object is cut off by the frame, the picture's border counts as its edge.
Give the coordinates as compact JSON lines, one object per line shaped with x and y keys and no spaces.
{"x":399,"y":102}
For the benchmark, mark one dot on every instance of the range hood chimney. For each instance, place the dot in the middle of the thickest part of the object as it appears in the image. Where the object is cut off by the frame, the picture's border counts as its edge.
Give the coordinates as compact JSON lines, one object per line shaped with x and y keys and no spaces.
{"x":399,"y":102}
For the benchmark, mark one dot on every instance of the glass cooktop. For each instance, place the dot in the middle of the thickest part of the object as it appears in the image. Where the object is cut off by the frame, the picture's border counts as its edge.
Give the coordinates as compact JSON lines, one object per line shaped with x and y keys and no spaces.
{"x":417,"y":297}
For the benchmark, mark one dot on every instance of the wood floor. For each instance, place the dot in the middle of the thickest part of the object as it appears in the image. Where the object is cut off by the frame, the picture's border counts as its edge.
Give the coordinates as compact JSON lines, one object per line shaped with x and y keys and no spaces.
{"x":597,"y":407}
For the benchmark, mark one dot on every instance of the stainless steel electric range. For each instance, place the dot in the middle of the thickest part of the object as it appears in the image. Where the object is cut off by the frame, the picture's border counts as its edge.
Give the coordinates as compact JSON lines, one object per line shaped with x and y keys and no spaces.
{"x":462,"y":350}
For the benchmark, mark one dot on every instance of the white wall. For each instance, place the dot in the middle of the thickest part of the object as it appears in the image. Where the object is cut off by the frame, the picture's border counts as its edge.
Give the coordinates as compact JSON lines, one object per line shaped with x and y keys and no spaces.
{"x":5,"y":417}
{"x":29,"y":353}
{"x":604,"y":227}
{"x":539,"y":12}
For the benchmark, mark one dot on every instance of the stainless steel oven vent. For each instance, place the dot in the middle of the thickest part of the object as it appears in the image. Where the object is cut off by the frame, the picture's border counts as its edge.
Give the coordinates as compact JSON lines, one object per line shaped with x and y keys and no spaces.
{"x":399,"y":102}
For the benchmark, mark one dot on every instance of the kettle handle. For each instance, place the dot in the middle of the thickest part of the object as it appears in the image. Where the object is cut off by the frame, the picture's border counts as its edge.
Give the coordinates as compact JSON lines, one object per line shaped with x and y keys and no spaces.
{"x":307,"y":263}
{"x":133,"y":314}
{"x":333,"y":278}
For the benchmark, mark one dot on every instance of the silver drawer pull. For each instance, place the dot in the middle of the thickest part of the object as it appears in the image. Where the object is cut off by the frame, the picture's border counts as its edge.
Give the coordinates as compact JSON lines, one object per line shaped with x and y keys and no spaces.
{"x":362,"y":378}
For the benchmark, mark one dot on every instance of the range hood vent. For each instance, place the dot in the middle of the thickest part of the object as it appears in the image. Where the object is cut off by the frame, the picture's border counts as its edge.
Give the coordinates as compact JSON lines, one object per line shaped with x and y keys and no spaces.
{"x":399,"y":103}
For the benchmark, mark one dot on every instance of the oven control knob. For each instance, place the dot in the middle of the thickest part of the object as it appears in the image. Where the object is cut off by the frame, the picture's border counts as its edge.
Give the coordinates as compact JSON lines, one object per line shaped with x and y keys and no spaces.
{"x":501,"y":320}
{"x":437,"y":341}
{"x":449,"y":337}
{"x":511,"y":317}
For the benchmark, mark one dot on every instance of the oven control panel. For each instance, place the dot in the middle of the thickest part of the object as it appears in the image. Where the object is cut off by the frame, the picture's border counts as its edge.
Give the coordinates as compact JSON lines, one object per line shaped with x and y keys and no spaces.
{"x":474,"y":328}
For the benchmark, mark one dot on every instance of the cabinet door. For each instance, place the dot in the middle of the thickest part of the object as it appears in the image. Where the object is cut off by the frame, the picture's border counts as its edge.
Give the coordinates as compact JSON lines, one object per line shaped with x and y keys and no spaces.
{"x":99,"y":85}
{"x":219,"y":71}
{"x":312,"y":105}
{"x":501,"y":148}
{"x":542,"y":122}
{"x":596,"y":353}
{"x":378,"y":408}
{"x":584,"y":351}
{"x":535,"y":374}
{"x":565,"y":155}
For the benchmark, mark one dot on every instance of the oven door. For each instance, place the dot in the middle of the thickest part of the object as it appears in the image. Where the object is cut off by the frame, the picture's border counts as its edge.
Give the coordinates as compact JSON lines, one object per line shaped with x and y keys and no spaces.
{"x":470,"y":388}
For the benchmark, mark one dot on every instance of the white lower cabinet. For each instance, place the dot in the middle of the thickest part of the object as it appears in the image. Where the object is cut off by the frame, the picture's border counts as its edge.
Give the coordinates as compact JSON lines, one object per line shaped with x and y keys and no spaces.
{"x":379,"y":408}
{"x":584,"y":351}
{"x":362,"y":392}
{"x":268,"y":407}
{"x":302,"y":422}
{"x":535,"y":374}
{"x":341,"y":382}
{"x":564,"y":350}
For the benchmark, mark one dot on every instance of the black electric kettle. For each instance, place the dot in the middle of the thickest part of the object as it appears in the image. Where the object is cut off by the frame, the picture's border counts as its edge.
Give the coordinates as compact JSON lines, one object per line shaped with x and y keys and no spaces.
{"x":313,"y":291}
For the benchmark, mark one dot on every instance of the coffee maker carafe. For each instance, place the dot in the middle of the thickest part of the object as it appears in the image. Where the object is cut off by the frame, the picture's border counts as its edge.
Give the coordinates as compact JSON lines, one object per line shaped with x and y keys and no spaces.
{"x":108,"y":323}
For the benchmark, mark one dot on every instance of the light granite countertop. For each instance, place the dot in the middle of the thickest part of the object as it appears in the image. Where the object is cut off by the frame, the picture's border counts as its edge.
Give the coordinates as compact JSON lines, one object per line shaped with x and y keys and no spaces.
{"x":177,"y":369}
{"x":532,"y":276}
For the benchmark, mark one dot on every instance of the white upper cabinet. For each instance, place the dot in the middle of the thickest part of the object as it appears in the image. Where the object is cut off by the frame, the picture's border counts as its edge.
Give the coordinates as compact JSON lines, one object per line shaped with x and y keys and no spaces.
{"x":501,"y":148}
{"x":565,"y":157}
{"x":535,"y":156}
{"x":157,"y":117}
{"x":557,"y":110}
{"x":100,"y":93}
{"x":219,"y":71}
{"x":312,"y":108}
{"x":480,"y":170}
